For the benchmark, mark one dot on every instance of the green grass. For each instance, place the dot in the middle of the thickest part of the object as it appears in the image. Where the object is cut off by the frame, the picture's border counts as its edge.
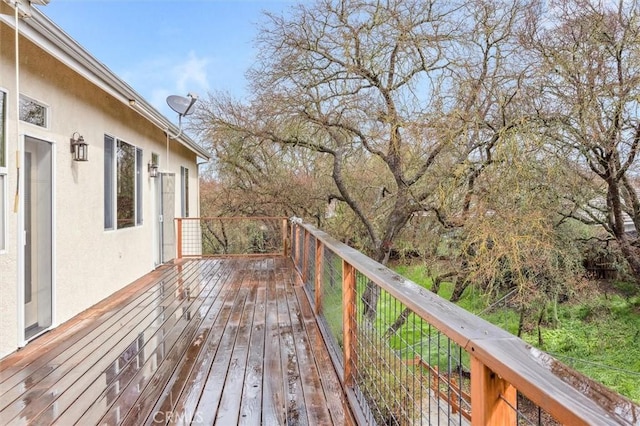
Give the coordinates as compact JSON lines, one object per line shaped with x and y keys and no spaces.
{"x":601,"y":339}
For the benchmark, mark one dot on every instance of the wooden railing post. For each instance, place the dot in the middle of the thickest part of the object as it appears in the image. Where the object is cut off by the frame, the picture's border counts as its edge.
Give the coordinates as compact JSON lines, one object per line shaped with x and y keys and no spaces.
{"x":349,"y":321}
{"x":284,"y":237}
{"x":179,"y":238}
{"x":294,"y":237}
{"x":305,"y":256}
{"x":490,"y":397}
{"x":319,"y":275}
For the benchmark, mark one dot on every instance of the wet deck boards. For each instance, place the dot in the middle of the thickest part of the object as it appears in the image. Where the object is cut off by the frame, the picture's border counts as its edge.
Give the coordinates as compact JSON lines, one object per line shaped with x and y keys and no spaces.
{"x":217,"y":341}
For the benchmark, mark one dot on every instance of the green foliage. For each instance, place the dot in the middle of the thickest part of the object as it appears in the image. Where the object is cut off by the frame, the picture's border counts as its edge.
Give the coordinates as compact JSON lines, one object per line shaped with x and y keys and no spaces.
{"x":595,"y":336}
{"x":627,"y":288}
{"x":332,"y":310}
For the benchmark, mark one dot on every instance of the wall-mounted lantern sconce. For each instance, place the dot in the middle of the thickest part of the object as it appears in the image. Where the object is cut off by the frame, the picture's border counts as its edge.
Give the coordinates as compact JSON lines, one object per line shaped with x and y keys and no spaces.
{"x":79,"y":147}
{"x":153,"y":169}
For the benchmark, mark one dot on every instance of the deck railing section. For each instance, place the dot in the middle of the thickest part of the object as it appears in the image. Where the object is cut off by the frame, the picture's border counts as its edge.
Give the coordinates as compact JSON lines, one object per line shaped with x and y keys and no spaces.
{"x":407,"y":356}
{"x":229,"y":236}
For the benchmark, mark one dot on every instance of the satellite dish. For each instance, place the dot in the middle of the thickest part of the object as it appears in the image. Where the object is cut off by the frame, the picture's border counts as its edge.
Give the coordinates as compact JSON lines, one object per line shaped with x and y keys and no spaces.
{"x":183,"y":105}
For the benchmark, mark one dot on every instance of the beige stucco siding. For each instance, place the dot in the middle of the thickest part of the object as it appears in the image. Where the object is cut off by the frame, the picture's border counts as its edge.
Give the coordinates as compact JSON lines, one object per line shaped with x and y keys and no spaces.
{"x":8,"y":259}
{"x":90,"y":262}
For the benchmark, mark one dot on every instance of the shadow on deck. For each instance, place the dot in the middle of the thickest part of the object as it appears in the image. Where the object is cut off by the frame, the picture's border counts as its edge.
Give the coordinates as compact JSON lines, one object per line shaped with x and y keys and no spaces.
{"x":226,"y":341}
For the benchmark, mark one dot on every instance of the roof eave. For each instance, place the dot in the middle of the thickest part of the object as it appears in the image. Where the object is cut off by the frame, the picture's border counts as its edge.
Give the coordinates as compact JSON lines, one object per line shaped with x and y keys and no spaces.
{"x":46,"y":34}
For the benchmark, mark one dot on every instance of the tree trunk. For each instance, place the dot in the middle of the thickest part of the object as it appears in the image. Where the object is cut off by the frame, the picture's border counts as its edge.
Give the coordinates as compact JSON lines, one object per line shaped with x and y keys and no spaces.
{"x":435,"y":287}
{"x":632,"y":256}
{"x":461,"y":285}
{"x":521,"y":322}
{"x":398,"y":323}
{"x":616,"y":221}
{"x":369,"y":299}
{"x":540,"y":318}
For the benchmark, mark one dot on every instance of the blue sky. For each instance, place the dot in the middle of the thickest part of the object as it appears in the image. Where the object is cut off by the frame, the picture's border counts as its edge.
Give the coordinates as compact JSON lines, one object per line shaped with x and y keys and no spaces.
{"x":166,"y":47}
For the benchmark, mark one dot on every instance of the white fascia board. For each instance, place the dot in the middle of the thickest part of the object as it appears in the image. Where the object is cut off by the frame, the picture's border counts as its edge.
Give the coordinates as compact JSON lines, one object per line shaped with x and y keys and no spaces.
{"x":52,"y":39}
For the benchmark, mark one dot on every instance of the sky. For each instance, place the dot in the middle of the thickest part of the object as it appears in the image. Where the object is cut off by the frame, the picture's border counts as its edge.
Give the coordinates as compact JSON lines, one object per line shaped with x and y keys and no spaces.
{"x":169,"y":47}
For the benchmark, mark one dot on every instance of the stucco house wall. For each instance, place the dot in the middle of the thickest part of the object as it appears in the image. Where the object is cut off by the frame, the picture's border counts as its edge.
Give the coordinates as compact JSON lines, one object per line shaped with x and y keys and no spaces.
{"x":89,"y":261}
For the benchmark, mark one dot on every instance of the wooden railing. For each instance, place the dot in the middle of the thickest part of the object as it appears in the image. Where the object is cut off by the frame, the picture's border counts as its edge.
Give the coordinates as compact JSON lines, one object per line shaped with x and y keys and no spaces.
{"x":407,"y":356}
{"x":231,"y":236}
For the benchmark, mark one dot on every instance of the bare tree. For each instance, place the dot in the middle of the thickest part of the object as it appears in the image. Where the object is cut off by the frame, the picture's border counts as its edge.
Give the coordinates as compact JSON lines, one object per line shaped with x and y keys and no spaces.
{"x":491,"y":74}
{"x":260,"y":179}
{"x":359,"y":82}
{"x":402,"y":96}
{"x":589,"y":100}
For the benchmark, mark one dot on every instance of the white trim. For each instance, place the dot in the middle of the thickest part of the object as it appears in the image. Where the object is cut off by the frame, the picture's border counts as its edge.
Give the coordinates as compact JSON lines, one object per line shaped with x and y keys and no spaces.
{"x":22,"y":341}
{"x":21,"y":243}
{"x":114,"y":182}
{"x":4,"y":204}
{"x":54,"y":220}
{"x":138,"y":178}
{"x":5,"y":169}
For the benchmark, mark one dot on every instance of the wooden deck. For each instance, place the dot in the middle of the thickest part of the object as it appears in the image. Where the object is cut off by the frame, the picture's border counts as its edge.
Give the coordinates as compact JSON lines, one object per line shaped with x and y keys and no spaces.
{"x":226,"y":341}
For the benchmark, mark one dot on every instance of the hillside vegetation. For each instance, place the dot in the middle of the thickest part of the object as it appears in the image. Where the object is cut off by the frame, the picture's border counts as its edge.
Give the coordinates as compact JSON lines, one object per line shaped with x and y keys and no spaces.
{"x":597,"y":333}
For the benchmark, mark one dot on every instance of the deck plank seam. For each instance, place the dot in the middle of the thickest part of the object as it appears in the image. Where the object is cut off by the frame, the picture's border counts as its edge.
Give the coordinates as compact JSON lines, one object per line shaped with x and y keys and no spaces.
{"x":202,"y":333}
{"x":105,"y":358}
{"x":168,"y":337}
{"x":65,"y":363}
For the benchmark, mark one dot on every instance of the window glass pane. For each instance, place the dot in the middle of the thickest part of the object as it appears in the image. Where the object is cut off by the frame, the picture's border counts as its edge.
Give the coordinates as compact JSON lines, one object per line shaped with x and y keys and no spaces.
{"x":126,"y":157}
{"x":3,"y":192}
{"x":33,"y":112}
{"x":3,"y":129}
{"x":138,"y":186}
{"x":108,"y":182}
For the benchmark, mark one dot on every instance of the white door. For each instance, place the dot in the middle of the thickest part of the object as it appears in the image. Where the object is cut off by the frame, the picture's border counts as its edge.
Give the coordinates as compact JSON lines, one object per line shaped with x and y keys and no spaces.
{"x":166,"y":217}
{"x":38,"y":233}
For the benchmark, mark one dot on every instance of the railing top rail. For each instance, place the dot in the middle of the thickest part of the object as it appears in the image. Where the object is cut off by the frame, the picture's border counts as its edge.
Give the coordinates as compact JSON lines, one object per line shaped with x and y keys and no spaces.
{"x":566,"y":394}
{"x":234,"y":218}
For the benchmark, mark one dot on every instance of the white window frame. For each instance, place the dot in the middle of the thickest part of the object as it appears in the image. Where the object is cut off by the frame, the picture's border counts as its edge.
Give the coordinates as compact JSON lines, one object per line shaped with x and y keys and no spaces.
{"x":111,"y":200}
{"x":109,"y":188}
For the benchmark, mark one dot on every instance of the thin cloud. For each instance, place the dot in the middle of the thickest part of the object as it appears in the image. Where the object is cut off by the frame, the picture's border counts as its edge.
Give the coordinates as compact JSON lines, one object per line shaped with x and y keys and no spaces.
{"x":192,"y":73}
{"x":163,"y":76}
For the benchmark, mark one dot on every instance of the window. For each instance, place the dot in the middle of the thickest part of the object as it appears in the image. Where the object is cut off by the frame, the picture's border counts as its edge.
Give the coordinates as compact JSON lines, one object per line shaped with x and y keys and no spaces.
{"x":33,"y":112}
{"x":126,"y":184}
{"x":184,"y":186}
{"x":122,"y":184}
{"x":3,"y":170}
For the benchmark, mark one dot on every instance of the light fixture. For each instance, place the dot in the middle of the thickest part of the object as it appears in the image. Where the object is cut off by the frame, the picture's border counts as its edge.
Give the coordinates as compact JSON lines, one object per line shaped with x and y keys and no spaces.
{"x":79,"y":147}
{"x":153,"y":169}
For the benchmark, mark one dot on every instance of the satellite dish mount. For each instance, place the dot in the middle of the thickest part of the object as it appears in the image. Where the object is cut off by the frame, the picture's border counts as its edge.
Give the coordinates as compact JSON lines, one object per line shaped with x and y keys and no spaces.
{"x":183,"y":105}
